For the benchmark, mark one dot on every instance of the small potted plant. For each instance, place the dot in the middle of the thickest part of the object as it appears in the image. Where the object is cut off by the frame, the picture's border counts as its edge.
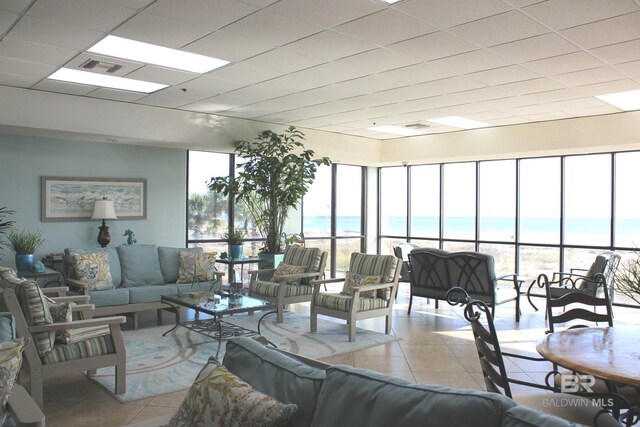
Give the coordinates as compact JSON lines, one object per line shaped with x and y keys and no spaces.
{"x":234,"y":239}
{"x":25,"y":244}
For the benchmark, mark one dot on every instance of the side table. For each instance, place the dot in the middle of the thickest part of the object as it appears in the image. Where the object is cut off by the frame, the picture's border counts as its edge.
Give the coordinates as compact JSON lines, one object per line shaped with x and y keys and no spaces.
{"x":231,"y":262}
{"x":49,"y":274}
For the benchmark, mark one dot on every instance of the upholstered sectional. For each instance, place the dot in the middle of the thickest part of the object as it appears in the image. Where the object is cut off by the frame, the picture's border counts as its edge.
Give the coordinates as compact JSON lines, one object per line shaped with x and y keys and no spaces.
{"x":140,"y":273}
{"x":341,"y":395}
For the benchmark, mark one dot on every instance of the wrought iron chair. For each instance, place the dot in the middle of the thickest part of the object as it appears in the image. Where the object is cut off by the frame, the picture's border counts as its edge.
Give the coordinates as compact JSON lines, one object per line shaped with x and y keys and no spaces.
{"x":402,"y":251}
{"x":352,"y":304}
{"x":290,"y":288}
{"x":495,"y":374}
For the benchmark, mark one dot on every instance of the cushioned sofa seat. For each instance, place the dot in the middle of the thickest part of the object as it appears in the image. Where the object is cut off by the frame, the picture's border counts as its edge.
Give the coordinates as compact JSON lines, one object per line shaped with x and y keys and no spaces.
{"x":108,"y":298}
{"x":142,"y":294}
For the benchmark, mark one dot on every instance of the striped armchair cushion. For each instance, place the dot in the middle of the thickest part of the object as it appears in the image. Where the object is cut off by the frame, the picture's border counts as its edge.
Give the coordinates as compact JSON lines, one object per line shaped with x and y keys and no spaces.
{"x":308,"y":257}
{"x":91,"y":347}
{"x":270,"y":289}
{"x":343,"y":302}
{"x":375,"y":265}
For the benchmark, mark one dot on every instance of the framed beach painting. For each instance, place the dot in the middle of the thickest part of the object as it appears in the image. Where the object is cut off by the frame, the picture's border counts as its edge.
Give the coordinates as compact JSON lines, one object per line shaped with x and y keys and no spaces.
{"x":72,"y":199}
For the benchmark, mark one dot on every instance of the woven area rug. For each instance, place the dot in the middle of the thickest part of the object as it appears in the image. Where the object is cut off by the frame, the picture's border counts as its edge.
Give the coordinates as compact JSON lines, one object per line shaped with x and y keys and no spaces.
{"x":157,"y":365}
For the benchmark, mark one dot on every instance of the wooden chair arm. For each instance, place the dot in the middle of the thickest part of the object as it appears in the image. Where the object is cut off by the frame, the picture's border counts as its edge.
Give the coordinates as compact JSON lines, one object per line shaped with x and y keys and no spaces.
{"x":78,"y":324}
{"x":60,"y":290}
{"x":373,"y":287}
{"x":23,"y":409}
{"x":300,"y":275}
{"x":80,"y":285}
{"x":266,"y":270}
{"x":82,"y":299}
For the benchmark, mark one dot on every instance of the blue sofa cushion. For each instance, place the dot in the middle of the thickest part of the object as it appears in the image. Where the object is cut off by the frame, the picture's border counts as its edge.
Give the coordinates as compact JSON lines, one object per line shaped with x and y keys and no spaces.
{"x":117,"y":296}
{"x":170,"y":261}
{"x":280,"y":376}
{"x":114,"y":262}
{"x":140,"y":265}
{"x":141,"y":294}
{"x":359,"y":397}
{"x":7,"y":327}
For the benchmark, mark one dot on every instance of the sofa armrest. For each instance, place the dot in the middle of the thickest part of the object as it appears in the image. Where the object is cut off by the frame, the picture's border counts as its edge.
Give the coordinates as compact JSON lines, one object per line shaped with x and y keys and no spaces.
{"x":58,"y":291}
{"x":79,"y":285}
{"x":23,"y":409}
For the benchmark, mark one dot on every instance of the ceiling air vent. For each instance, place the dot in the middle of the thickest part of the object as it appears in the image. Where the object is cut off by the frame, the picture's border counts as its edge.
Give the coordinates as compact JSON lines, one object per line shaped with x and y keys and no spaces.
{"x":91,"y":64}
{"x":417,"y":126}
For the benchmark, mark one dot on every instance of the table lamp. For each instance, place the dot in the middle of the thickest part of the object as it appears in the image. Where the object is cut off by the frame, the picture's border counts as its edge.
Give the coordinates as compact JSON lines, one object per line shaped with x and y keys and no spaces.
{"x":104,"y":209}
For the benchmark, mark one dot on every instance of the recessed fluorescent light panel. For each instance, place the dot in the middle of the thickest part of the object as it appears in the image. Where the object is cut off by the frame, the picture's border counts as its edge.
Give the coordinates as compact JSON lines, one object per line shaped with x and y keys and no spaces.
{"x":460,"y":122}
{"x":623,"y":100}
{"x":397,"y":130}
{"x":152,"y":54}
{"x":95,"y":79}
{"x":391,"y":1}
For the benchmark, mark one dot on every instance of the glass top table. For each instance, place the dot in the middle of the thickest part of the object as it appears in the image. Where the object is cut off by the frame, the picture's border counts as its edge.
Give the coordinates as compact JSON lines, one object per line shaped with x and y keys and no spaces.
{"x":216,"y":305}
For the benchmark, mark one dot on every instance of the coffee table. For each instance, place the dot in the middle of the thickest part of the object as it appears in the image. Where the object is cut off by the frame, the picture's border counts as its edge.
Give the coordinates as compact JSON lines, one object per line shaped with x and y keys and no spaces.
{"x":217,"y":306}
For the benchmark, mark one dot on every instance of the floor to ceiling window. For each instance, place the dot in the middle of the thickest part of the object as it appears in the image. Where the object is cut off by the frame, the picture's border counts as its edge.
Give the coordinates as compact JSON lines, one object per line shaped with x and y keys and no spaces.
{"x":332,"y":217}
{"x":533,"y":215}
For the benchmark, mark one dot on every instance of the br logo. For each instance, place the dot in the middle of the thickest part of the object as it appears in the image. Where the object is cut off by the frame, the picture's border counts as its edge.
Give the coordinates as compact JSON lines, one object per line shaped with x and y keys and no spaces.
{"x":573,"y":383}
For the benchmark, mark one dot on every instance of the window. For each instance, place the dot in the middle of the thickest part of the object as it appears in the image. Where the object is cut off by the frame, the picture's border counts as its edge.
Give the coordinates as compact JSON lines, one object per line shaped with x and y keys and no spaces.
{"x":627,"y":205}
{"x":393,"y":201}
{"x":540,"y":200}
{"x":498,"y":201}
{"x":425,"y":201}
{"x":459,"y":201}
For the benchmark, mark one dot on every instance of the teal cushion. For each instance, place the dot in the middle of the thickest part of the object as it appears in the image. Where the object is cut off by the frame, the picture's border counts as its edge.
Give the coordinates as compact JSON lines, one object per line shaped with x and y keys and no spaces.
{"x":7,"y":327}
{"x":114,"y":262}
{"x":141,"y":294}
{"x":170,"y":261}
{"x":521,"y":416}
{"x":359,"y":397}
{"x":140,"y":265}
{"x":109,"y":297}
{"x":280,"y":376}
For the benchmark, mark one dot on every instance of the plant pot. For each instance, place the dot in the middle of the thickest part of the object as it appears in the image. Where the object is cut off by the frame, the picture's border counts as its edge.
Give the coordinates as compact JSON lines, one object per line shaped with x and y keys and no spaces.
{"x":24,"y":262}
{"x":235,"y":251}
{"x":268,"y":261}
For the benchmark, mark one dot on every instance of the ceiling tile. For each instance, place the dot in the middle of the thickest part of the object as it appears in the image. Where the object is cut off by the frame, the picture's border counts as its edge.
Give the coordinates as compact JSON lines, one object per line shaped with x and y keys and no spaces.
{"x":133,"y":4}
{"x":261,"y":24}
{"x":609,"y":31}
{"x":152,"y":73}
{"x":509,"y":74}
{"x":330,"y":45}
{"x":326,"y":13}
{"x":207,"y":107}
{"x":447,"y":13}
{"x":208,"y":86}
{"x":376,"y":61}
{"x":90,"y":14}
{"x":116,"y":95}
{"x":499,"y":29}
{"x":26,"y":68}
{"x":53,"y":34}
{"x":433,"y":46}
{"x":244,"y":73}
{"x":608,"y":87}
{"x":397,"y":27}
{"x":530,"y":86}
{"x":64,"y":87}
{"x":14,"y":5}
{"x":209,"y":14}
{"x":620,"y":52}
{"x":551,"y":96}
{"x":418,"y":73}
{"x":7,"y":19}
{"x":561,"y":14}
{"x":564,"y":63}
{"x":21,"y":49}
{"x":284,"y":60}
{"x":585,"y":77}
{"x":530,"y":49}
{"x":471,"y":62}
{"x":7,"y":79}
{"x":148,"y":28}
{"x":632,"y":68}
{"x":227,"y":46}
{"x":248,"y":95}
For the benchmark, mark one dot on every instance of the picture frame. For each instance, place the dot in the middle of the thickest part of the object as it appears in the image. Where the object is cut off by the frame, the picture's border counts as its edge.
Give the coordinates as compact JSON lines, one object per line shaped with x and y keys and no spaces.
{"x":72,"y":199}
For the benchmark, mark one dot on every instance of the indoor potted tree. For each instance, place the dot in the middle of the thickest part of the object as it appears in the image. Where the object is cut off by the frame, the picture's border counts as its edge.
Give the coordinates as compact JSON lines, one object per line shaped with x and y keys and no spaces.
{"x":627,"y":278}
{"x":25,"y":244}
{"x":234,"y":240}
{"x":274,"y":173}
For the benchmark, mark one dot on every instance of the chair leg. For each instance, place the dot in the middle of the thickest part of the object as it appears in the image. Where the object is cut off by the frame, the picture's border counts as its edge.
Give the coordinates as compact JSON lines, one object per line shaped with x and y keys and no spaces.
{"x":314,"y":321}
{"x":159,"y":314}
{"x":352,"y":331}
{"x":121,"y":378}
{"x":436,"y":303}
{"x":410,"y":302}
{"x":280,"y":314}
{"x":35,"y":388}
{"x":387,"y":328}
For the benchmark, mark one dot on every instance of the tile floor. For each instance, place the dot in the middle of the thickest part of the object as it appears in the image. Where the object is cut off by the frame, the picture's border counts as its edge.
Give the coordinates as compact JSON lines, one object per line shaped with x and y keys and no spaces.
{"x":436,"y":347}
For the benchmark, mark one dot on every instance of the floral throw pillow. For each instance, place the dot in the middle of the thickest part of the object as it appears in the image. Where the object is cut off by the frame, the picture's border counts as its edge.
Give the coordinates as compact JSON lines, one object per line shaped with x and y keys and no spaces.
{"x":196,"y":266}
{"x":285,"y":269}
{"x":10,"y":362}
{"x":93,"y":268}
{"x":354,"y":279}
{"x":219,"y":398}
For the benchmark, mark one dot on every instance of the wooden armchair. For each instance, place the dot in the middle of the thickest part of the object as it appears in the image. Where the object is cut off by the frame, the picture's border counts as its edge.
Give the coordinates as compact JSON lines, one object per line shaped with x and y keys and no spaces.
{"x":369,"y":291}
{"x":290,"y":288}
{"x":81,"y":345}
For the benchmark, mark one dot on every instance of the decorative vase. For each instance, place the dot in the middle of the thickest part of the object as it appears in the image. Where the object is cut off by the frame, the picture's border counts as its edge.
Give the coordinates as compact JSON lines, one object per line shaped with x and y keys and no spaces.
{"x":24,"y":262}
{"x":235,"y":251}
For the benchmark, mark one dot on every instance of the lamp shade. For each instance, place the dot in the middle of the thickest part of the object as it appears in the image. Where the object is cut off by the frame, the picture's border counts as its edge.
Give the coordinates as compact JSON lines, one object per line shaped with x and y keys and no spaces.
{"x":104,"y":209}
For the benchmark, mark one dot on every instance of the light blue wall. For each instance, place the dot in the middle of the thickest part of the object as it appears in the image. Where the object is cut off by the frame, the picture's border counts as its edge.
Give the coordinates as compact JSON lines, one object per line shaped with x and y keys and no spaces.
{"x":24,"y":159}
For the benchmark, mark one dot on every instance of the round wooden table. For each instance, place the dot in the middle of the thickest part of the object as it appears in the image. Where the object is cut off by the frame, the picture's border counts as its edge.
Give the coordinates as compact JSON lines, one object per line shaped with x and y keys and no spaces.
{"x":609,"y":353}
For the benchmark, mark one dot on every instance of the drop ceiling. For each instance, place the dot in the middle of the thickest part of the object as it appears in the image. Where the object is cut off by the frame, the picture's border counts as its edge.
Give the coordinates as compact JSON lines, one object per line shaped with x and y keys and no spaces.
{"x":343,"y":65}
